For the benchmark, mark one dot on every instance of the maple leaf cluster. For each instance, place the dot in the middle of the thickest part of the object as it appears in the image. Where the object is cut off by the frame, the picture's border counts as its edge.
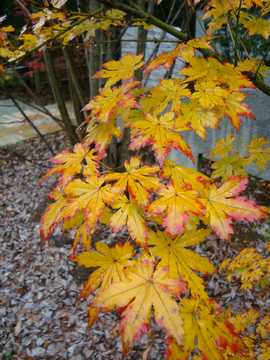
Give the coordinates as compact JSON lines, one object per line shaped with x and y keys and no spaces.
{"x":166,"y":209}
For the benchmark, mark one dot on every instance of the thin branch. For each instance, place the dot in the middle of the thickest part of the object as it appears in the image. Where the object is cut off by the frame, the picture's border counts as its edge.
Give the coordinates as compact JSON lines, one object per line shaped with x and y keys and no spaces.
{"x":138,"y":41}
{"x":261,"y":85}
{"x":151,"y":19}
{"x":40,"y":108}
{"x":43,"y":110}
{"x":30,"y":122}
{"x":24,"y":8}
{"x":236,"y":57}
{"x":75,"y":82}
{"x":162,"y":39}
{"x":56,"y":36}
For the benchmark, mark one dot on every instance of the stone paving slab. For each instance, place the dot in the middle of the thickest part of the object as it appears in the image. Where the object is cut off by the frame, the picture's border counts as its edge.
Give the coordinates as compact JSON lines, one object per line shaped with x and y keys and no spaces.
{"x":14,"y":128}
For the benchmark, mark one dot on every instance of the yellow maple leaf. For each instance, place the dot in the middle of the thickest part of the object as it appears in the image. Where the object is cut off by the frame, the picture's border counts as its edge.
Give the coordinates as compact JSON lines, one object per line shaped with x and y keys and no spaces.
{"x":209,"y":94}
{"x":101,"y":134}
{"x":7,"y":29}
{"x":122,"y":69}
{"x":110,"y":262}
{"x":234,"y":108}
{"x":218,"y":12}
{"x":264,"y":353}
{"x":233,"y":165}
{"x":211,"y":69}
{"x":223,"y":147}
{"x":128,"y":214}
{"x":6,"y":52}
{"x":242,"y":320}
{"x":249,"y":266}
{"x":248,"y":65}
{"x":199,"y":118}
{"x":159,"y":132}
{"x":206,"y":331}
{"x":177,"y":203}
{"x":137,"y":179}
{"x":180,"y":261}
{"x":168,"y":92}
{"x":69,"y":164}
{"x":83,"y":235}
{"x":144,"y":290}
{"x":113,"y":17}
{"x":29,"y":41}
{"x":165,"y":59}
{"x":184,"y":51}
{"x":74,"y":221}
{"x":53,"y":214}
{"x":110,"y":102}
{"x":90,"y":195}
{"x":259,"y":152}
{"x":259,"y":3}
{"x":256,"y":25}
{"x":263,"y":329}
{"x":202,"y":42}
{"x":224,"y":204}
{"x":185,"y":177}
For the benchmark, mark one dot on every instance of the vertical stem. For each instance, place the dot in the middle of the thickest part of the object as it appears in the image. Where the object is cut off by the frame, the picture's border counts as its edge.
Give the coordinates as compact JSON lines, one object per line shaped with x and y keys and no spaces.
{"x":190,"y":20}
{"x":58,"y":97}
{"x":37,"y":81}
{"x":141,"y":47}
{"x":113,"y":51}
{"x":75,"y":101}
{"x":94,"y":53}
{"x":123,"y":150}
{"x":237,"y":34}
{"x":72,"y":74}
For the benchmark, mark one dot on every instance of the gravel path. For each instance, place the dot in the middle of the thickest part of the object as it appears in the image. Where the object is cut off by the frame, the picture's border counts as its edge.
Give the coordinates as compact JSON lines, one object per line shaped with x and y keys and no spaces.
{"x":41,"y":314}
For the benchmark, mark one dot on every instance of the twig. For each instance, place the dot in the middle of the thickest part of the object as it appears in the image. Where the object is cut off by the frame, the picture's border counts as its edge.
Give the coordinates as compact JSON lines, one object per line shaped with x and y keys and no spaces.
{"x":30,"y":122}
{"x":162,"y":38}
{"x":43,"y":110}
{"x":133,"y":9}
{"x":24,"y":8}
{"x":55,"y":37}
{"x":236,"y":56}
{"x":237,"y":32}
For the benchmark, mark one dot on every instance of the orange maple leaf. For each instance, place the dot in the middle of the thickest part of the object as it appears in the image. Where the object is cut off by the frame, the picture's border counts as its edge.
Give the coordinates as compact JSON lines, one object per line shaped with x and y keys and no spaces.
{"x":224,"y":204}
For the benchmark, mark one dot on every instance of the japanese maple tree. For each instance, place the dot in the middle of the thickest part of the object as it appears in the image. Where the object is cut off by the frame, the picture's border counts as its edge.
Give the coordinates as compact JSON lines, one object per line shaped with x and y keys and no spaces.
{"x":164,"y":209}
